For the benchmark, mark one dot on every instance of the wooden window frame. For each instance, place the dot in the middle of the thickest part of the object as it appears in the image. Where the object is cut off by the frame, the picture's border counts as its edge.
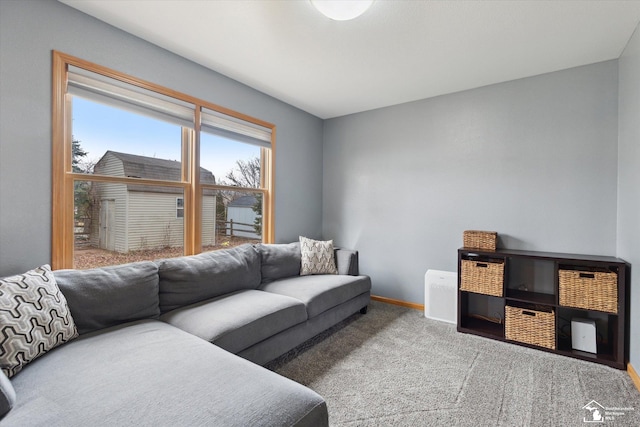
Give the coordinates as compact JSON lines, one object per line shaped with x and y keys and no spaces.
{"x":63,"y":177}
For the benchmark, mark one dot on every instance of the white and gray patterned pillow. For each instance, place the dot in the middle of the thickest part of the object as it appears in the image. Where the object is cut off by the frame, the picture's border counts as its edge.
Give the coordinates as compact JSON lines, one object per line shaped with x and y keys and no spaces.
{"x":34,"y":318}
{"x":317,"y":257}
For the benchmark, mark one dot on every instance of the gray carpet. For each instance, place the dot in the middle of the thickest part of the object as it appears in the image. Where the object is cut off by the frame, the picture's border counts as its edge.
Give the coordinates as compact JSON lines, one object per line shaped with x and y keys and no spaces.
{"x":393,"y":367}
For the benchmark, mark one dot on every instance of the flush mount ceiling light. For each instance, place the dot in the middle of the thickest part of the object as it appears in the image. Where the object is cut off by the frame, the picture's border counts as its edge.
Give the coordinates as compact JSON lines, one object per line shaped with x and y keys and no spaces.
{"x":342,"y":10}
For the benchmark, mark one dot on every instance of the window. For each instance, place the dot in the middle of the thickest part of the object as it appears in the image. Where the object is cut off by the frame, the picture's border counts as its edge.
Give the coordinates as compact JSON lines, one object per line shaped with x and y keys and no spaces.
{"x":237,"y":212}
{"x":143,"y":172}
{"x":179,"y":207}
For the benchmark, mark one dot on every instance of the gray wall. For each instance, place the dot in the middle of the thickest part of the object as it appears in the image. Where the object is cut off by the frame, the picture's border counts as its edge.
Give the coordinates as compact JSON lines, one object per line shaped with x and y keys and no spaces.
{"x":629,"y":180}
{"x":29,"y":30}
{"x":533,"y":159}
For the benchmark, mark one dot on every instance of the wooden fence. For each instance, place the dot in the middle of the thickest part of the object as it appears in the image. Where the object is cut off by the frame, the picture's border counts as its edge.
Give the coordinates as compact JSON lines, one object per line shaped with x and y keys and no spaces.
{"x":231,"y":226}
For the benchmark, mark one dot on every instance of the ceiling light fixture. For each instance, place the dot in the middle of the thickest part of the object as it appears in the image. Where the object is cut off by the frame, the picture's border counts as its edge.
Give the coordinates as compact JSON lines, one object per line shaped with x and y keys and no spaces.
{"x":342,"y":10}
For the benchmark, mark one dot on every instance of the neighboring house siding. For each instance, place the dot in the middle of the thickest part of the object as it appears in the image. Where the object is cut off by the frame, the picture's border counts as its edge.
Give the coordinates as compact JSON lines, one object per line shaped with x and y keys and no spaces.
{"x":152,"y":221}
{"x":115,"y":196}
{"x":111,"y":196}
{"x":109,"y":165}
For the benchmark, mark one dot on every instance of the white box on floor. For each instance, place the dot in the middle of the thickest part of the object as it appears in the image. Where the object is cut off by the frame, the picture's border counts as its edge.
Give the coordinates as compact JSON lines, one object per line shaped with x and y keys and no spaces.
{"x":440,"y":295}
{"x":583,"y":335}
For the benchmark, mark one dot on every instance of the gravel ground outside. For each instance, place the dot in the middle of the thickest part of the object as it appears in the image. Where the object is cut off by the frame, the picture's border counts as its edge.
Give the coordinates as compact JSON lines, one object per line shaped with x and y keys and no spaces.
{"x":92,"y":257}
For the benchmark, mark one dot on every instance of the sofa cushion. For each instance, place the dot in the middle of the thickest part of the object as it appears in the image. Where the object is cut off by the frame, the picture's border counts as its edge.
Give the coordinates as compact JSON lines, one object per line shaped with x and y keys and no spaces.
{"x":317,"y":257}
{"x":320,"y":293}
{"x":279,"y":260}
{"x":190,"y":279}
{"x":7,"y":394}
{"x":103,"y":297}
{"x":34,"y":318}
{"x":148,"y":373}
{"x":238,"y":320}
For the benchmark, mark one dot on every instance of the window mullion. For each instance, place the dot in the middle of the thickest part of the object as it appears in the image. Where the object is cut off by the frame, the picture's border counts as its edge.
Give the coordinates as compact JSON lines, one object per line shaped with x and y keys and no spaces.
{"x":268,"y":183}
{"x":193,"y":194}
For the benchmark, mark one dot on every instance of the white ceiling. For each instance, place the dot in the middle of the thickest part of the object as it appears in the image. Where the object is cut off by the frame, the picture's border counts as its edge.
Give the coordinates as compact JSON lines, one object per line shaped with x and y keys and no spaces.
{"x":398,"y":51}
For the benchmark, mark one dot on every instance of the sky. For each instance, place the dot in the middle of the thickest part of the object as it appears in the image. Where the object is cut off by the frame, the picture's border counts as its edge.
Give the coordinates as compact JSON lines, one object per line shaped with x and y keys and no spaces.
{"x":100,"y":127}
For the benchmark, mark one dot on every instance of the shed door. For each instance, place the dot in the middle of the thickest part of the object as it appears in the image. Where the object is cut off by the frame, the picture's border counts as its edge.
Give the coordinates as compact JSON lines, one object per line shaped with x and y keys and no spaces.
{"x":107,"y":222}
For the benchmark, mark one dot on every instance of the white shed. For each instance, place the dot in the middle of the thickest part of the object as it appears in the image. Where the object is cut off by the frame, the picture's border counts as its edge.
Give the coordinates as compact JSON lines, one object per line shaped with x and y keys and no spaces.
{"x":241,"y":217}
{"x":136,"y":217}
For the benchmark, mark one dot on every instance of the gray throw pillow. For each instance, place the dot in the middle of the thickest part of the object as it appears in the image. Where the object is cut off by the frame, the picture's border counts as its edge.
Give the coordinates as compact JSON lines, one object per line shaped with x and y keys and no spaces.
{"x":190,"y":279}
{"x":279,"y":260}
{"x":34,"y":318}
{"x":102,"y":297}
{"x":7,"y":394}
{"x":317,"y":257}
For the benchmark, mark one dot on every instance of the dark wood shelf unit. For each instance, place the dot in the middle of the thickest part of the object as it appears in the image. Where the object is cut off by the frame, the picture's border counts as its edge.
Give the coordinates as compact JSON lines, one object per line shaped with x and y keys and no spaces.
{"x":541,"y":269}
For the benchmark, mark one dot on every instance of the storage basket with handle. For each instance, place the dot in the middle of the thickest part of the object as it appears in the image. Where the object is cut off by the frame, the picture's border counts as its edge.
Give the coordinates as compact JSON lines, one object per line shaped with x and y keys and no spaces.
{"x":476,"y":239}
{"x":530,"y":326}
{"x":482,"y":277}
{"x":590,"y":290}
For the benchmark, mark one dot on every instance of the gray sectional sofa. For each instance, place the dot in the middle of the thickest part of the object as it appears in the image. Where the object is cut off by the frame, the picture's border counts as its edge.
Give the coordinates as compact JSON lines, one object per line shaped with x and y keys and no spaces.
{"x":159,"y":342}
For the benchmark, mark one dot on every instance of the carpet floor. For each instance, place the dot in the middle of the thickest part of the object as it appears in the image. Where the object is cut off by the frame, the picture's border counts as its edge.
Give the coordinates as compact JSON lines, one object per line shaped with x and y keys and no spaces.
{"x":394,"y":367}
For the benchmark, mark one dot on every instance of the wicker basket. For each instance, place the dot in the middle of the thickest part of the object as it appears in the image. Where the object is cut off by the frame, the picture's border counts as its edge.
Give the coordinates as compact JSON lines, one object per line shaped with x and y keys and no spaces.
{"x":482,"y":277}
{"x":476,"y":239}
{"x":530,"y":326}
{"x":591,"y":290}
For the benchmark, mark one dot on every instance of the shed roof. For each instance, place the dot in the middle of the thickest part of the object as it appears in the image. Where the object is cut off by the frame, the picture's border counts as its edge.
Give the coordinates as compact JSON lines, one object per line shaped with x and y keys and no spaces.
{"x":154,"y":168}
{"x":243,"y":202}
{"x":136,"y":166}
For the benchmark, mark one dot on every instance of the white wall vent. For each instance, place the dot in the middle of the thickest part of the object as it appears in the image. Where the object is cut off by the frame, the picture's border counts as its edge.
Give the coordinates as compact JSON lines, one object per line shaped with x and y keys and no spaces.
{"x":440,"y":296}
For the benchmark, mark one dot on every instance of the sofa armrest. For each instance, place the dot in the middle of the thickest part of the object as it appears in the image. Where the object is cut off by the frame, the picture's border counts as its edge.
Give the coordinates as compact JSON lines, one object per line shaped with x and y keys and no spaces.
{"x":7,"y":395}
{"x":347,"y":261}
